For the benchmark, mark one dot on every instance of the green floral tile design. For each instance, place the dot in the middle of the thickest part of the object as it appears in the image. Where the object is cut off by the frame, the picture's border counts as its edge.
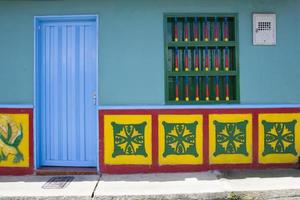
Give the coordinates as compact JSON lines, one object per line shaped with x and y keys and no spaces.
{"x":231,"y":138}
{"x":279,"y":137}
{"x":180,"y":139}
{"x":129,"y":139}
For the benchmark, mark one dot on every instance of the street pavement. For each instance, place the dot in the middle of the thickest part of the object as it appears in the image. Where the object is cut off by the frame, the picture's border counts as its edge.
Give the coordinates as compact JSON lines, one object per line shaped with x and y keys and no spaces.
{"x":233,"y":184}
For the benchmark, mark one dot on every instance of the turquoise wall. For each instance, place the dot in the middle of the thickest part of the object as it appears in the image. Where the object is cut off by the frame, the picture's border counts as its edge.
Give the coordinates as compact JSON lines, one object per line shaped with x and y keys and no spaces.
{"x":131,"y":57}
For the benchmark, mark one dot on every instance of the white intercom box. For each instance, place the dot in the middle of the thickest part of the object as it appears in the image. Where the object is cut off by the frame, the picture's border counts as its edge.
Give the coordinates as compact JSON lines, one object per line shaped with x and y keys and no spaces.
{"x":264,"y":29}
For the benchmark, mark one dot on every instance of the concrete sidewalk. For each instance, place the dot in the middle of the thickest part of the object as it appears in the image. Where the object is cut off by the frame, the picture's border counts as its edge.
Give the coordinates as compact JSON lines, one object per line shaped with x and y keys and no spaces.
{"x":247,"y":184}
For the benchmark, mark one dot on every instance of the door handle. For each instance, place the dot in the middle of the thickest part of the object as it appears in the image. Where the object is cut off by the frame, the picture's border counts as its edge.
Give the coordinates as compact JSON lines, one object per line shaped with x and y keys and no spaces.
{"x":94,"y":98}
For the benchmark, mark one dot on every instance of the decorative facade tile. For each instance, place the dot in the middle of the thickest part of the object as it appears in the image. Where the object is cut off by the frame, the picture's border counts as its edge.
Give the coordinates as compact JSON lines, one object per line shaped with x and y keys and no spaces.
{"x":279,"y":138}
{"x":180,"y":139}
{"x":230,"y":138}
{"x":14,"y":140}
{"x":128,"y":139}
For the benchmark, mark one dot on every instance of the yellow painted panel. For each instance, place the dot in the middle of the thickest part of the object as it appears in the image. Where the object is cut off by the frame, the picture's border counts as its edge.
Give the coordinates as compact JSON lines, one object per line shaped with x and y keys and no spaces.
{"x":279,"y":118}
{"x":225,"y":158}
{"x":14,"y":140}
{"x":127,"y":121}
{"x":172,"y":159}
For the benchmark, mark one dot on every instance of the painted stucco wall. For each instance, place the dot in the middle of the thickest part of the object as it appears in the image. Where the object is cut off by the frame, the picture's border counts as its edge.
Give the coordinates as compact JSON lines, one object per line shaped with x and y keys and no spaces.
{"x":131,"y":58}
{"x":198,"y":139}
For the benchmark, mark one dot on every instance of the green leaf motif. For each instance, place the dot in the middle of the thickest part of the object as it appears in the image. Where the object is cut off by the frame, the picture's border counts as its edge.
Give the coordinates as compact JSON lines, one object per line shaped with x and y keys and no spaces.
{"x":180,"y":139}
{"x":231,"y":138}
{"x":129,"y":139}
{"x":9,"y":131}
{"x":279,"y":137}
{"x":3,"y":157}
{"x":18,"y":139}
{"x":18,"y":158}
{"x":10,"y":144}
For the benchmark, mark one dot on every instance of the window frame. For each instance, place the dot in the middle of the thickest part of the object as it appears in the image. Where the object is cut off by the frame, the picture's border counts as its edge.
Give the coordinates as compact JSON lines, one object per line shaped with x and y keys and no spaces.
{"x":201,"y":43}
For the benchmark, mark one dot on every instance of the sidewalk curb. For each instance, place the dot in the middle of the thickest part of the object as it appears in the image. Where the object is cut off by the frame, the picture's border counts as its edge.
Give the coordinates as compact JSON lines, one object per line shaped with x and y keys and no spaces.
{"x":46,"y":198}
{"x":245,"y":195}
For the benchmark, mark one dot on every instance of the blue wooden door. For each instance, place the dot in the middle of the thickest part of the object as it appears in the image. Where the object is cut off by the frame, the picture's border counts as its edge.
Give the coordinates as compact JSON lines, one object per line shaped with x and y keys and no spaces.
{"x":67,"y":87}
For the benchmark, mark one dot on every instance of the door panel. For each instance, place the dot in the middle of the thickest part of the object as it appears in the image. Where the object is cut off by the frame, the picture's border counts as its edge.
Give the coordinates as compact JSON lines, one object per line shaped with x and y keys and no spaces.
{"x":67,"y":85}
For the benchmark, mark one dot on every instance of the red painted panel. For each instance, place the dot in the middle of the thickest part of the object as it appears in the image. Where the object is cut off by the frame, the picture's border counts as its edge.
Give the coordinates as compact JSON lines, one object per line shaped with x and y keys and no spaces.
{"x":205,"y":141}
{"x":21,"y":170}
{"x":255,"y":138}
{"x":155,"y":141}
{"x":155,"y":167}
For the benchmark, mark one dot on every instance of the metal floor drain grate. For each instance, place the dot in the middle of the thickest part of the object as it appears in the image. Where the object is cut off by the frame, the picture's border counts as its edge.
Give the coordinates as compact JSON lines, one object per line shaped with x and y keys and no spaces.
{"x":59,"y":182}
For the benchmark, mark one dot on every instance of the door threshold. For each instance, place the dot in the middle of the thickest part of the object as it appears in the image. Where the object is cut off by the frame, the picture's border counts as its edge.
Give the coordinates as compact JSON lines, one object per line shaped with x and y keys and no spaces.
{"x":48,"y":171}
